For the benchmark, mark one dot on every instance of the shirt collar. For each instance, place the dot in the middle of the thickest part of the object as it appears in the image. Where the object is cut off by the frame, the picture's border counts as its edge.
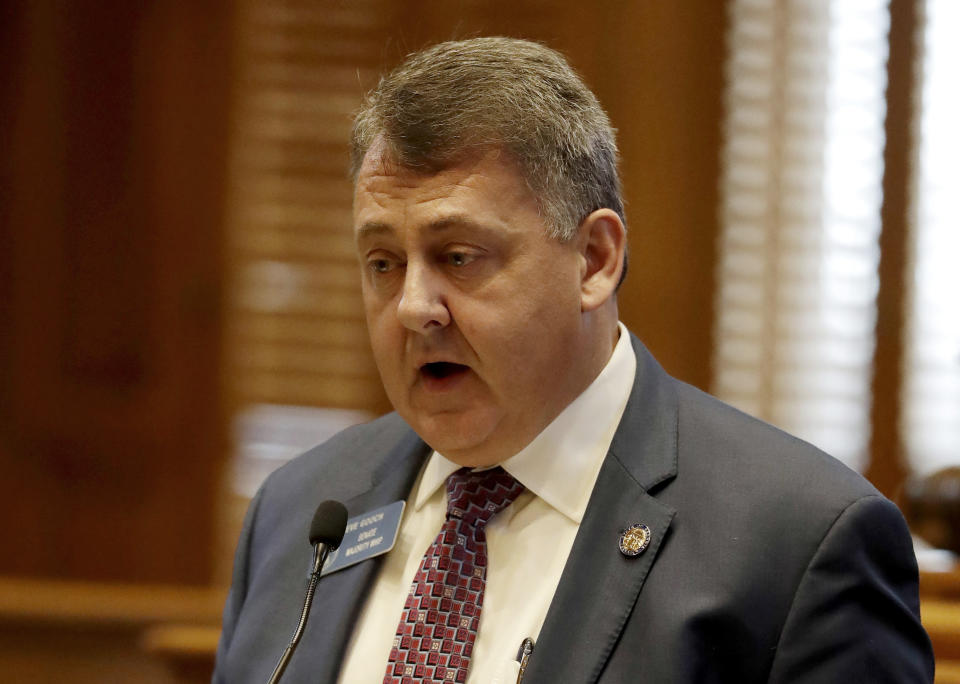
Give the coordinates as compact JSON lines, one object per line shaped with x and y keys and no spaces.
{"x":561,"y":464}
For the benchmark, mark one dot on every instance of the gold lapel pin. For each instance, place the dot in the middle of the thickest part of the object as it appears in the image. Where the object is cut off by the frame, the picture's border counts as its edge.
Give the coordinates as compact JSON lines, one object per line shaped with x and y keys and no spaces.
{"x":634,"y":540}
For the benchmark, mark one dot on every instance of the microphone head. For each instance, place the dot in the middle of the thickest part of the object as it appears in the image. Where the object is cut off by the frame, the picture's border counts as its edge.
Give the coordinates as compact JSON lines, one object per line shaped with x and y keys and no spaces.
{"x":329,"y":524}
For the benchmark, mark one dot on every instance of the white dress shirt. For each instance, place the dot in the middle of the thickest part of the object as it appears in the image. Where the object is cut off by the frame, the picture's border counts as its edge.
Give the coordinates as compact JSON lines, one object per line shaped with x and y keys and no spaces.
{"x":527,"y":543}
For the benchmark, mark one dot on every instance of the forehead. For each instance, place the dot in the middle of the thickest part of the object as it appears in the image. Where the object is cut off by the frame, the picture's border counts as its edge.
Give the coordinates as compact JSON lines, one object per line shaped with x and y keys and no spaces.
{"x":485,"y":187}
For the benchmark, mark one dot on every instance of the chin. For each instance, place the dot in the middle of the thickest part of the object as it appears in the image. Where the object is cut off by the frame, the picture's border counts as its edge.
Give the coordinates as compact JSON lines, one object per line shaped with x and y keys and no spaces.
{"x":461,"y":439}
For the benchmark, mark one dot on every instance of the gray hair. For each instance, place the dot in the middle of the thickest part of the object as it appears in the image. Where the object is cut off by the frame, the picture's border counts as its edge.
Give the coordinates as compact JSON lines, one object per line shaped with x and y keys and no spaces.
{"x":460,"y":98}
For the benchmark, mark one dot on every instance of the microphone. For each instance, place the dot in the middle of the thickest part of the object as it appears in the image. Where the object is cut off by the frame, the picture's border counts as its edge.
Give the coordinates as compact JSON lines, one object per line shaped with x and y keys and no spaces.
{"x":326,"y":533}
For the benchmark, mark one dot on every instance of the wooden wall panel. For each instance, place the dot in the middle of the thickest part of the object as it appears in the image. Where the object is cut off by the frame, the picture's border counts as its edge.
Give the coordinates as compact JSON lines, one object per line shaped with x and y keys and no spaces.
{"x":664,"y":80}
{"x":888,"y":468}
{"x":112,"y":427}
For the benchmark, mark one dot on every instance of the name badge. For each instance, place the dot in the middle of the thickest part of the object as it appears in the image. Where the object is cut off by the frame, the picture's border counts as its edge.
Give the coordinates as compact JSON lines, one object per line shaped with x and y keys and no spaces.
{"x":368,"y":535}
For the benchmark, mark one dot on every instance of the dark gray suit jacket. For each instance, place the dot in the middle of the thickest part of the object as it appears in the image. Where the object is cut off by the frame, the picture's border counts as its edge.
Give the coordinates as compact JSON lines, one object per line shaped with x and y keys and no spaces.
{"x":769,"y":560}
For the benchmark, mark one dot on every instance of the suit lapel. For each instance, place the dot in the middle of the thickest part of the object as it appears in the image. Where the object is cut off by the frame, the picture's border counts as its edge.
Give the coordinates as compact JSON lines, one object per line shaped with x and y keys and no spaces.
{"x":600,"y":585}
{"x":340,"y":595}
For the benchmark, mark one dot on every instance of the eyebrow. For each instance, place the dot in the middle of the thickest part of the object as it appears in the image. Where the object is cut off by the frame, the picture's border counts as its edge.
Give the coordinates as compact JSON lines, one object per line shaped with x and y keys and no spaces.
{"x":372,"y":228}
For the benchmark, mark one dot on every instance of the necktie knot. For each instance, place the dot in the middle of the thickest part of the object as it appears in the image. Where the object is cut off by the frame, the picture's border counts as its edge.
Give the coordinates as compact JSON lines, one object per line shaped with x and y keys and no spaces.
{"x":475,"y":497}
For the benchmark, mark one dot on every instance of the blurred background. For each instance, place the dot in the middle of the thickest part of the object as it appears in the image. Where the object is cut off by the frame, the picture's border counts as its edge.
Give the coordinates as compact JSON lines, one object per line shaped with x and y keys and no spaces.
{"x":180,"y":308}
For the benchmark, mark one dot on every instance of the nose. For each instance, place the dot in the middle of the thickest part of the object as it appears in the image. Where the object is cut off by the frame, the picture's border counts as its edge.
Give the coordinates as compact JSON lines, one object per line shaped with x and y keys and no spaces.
{"x":422,"y":306}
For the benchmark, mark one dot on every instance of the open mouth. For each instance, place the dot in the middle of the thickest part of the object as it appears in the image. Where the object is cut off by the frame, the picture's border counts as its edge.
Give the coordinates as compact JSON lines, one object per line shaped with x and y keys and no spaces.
{"x":440,"y":370}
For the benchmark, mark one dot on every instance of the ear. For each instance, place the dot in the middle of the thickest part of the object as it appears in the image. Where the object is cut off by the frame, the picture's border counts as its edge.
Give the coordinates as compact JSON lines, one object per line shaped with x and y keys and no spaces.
{"x":602,"y":242}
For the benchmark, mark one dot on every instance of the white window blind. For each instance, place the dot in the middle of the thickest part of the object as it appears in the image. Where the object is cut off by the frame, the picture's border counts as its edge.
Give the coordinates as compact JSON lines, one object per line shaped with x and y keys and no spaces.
{"x":800,"y":210}
{"x":298,"y":364}
{"x":295,"y":328}
{"x":931,"y":403}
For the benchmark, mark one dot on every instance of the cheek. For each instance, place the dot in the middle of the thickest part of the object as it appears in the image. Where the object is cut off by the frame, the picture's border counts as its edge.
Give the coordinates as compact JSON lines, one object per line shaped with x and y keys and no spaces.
{"x":542,"y":332}
{"x":376,"y":306}
{"x":512,"y":338}
{"x":384,"y":334}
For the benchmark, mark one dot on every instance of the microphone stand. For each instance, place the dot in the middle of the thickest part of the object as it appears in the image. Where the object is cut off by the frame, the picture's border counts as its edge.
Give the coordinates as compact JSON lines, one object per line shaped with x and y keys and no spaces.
{"x":320,"y":553}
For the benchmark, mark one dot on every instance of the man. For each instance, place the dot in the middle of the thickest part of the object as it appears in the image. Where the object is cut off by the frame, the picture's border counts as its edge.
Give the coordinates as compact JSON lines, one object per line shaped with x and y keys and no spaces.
{"x":646,"y":531}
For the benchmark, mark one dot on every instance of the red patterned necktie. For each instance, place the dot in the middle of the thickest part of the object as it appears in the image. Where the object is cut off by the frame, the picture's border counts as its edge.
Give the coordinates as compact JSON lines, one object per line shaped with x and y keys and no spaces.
{"x":439,"y":622}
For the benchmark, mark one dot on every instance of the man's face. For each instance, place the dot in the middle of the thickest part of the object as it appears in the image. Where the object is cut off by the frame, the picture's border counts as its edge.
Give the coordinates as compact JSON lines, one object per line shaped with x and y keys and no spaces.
{"x":474,"y":311}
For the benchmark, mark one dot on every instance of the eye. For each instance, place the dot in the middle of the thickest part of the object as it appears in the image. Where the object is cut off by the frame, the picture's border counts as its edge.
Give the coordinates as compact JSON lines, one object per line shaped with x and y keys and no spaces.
{"x":381,"y":265}
{"x":458,"y":258}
